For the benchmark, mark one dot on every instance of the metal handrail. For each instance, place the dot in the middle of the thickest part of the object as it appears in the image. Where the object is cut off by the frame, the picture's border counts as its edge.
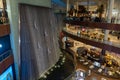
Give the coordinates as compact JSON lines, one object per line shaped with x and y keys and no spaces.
{"x":5,"y":55}
{"x":101,"y":41}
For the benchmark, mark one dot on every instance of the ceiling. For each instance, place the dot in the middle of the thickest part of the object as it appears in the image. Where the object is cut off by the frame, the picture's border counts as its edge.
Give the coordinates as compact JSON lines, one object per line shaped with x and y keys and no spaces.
{"x":1,"y":4}
{"x":91,"y":2}
{"x":59,"y":2}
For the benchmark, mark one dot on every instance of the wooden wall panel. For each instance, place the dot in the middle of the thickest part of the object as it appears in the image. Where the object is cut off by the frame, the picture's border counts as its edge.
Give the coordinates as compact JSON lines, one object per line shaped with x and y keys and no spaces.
{"x":6,"y":63}
{"x":4,"y":30}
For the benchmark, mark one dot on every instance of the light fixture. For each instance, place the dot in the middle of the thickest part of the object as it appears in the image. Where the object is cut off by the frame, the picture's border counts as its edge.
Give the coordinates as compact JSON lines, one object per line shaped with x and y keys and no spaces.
{"x":61,"y":63}
{"x":45,"y":76}
{"x":48,"y":72}
{"x":51,"y":69}
{"x":55,"y":66}
{"x":58,"y":66}
{"x":1,"y":46}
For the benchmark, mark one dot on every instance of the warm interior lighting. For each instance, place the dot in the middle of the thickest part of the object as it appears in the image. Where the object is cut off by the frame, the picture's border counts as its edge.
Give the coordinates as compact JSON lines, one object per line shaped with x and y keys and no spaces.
{"x":1,"y":4}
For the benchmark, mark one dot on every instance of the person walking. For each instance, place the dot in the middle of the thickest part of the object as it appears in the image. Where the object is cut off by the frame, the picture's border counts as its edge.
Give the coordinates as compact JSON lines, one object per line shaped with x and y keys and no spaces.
{"x":118,"y":37}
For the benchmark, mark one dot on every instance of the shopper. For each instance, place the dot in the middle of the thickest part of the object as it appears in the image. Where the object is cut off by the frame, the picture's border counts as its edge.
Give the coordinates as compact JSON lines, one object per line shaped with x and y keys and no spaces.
{"x":118,"y":37}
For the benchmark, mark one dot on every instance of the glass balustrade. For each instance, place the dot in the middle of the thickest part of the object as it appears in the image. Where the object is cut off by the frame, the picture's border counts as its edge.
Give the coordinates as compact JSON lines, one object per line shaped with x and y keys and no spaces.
{"x":95,"y":36}
{"x":5,"y":55}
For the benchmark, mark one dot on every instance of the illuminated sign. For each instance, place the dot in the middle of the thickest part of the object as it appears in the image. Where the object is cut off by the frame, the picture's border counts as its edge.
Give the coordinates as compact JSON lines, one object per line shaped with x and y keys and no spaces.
{"x":7,"y":75}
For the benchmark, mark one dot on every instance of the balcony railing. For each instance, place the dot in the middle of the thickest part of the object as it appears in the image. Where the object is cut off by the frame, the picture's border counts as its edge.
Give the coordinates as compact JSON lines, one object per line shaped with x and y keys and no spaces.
{"x":101,"y":25}
{"x":6,"y":59}
{"x":107,"y":45}
{"x":5,"y":55}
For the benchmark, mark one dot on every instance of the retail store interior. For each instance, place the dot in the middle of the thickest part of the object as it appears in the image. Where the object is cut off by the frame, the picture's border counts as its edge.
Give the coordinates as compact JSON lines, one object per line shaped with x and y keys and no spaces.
{"x":59,"y":40}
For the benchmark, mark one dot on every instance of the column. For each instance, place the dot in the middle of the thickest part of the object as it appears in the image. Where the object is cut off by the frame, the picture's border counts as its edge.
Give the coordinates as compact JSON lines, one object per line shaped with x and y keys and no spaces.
{"x":77,"y":7}
{"x":109,"y":16}
{"x":77,"y":4}
{"x":106,"y":8}
{"x":99,"y":3}
{"x":110,"y":5}
{"x":4,"y":6}
{"x":68,"y":7}
{"x":88,"y":5}
{"x":74,"y":11}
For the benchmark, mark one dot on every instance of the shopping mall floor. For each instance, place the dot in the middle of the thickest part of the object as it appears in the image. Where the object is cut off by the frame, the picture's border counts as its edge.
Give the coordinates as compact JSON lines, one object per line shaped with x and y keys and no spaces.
{"x":68,"y":68}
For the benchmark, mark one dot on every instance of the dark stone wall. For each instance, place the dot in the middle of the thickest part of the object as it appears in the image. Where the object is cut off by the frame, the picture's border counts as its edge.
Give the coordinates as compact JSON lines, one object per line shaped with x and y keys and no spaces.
{"x":39,"y":42}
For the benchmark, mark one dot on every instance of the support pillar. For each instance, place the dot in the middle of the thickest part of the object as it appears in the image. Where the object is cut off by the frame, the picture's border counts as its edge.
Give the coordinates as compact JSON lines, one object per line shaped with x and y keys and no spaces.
{"x":77,"y":7}
{"x":110,"y":8}
{"x":99,"y":4}
{"x":110,"y":5}
{"x":74,"y":13}
{"x":88,"y":5}
{"x":68,"y":7}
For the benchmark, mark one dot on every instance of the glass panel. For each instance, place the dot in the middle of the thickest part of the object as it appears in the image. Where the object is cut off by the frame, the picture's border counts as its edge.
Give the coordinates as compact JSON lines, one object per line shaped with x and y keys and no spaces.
{"x":95,"y":34}
{"x":7,"y":75}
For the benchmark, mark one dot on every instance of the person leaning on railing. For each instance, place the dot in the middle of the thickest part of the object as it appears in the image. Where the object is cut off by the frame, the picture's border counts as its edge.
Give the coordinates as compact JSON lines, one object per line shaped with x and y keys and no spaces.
{"x":3,"y":18}
{"x":118,"y":37}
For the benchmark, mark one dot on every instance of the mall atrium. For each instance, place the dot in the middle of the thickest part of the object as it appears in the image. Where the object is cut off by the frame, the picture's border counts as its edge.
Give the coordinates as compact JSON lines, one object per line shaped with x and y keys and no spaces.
{"x":59,"y":40}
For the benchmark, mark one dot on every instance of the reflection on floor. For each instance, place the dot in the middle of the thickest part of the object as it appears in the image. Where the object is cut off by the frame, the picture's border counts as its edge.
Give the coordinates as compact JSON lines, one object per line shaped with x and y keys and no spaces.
{"x":93,"y":76}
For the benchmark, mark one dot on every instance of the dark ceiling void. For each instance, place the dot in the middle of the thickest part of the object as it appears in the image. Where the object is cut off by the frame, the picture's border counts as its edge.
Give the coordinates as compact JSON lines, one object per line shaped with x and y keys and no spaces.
{"x":59,"y":2}
{"x":91,"y":3}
